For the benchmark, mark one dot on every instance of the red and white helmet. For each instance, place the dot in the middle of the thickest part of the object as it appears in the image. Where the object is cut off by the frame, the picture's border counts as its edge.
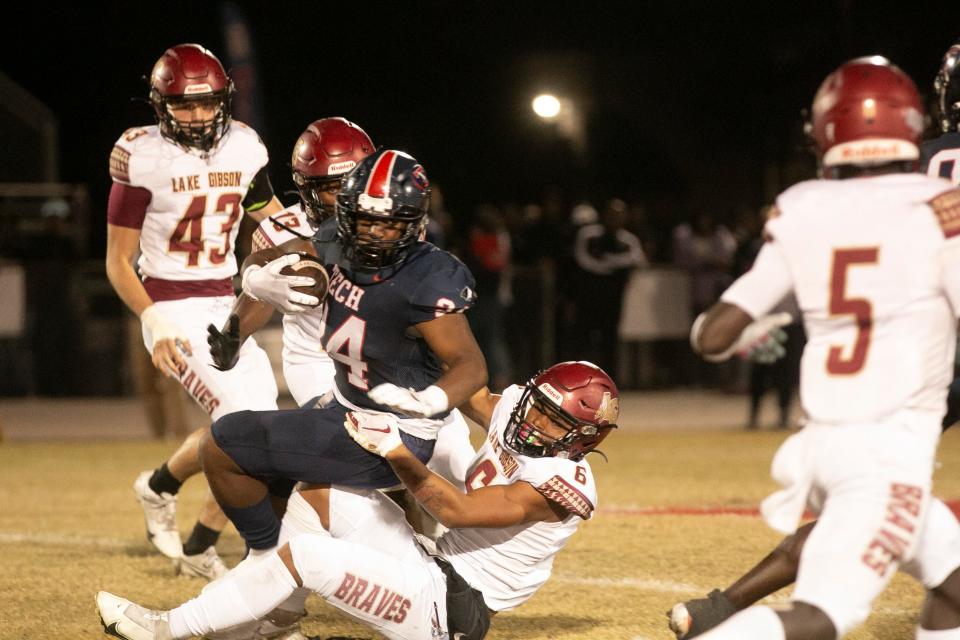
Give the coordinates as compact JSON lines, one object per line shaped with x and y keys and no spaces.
{"x":867,"y":112}
{"x":324,"y":152}
{"x":184,"y":75}
{"x":578,"y":396}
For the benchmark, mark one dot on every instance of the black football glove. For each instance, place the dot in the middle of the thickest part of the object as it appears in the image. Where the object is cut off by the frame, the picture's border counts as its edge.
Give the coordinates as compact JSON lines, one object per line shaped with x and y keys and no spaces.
{"x":225,"y":346}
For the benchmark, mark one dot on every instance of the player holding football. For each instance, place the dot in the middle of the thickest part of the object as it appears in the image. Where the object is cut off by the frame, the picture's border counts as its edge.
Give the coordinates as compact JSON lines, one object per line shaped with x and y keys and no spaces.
{"x":179,"y":190}
{"x":938,"y":157}
{"x":323,"y":154}
{"x":873,"y":256}
{"x":392,"y":323}
{"x":527,"y":491}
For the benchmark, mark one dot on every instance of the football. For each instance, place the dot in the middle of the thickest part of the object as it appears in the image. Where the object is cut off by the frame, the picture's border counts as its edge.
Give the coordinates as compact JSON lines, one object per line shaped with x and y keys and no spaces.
{"x":309,"y":267}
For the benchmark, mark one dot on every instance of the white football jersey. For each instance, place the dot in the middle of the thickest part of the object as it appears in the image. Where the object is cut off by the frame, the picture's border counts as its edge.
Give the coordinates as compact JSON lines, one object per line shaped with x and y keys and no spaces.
{"x":875,"y":265}
{"x":191,"y":223}
{"x":301,"y":331}
{"x":509,"y":564}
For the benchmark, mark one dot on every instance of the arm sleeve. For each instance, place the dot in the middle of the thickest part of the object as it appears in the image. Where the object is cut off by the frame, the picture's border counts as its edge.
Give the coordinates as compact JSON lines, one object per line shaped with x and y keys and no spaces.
{"x":127,"y":206}
{"x":449,"y":288}
{"x":762,"y":288}
{"x":260,"y":191}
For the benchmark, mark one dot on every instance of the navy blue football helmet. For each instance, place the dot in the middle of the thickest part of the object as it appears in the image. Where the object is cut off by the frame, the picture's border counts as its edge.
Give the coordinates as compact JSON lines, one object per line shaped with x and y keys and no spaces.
{"x":382,"y":209}
{"x":947,"y":87}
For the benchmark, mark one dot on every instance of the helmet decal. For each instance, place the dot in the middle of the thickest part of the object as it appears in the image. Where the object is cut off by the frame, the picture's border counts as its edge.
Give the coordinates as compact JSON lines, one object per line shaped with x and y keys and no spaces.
{"x":609,"y":408}
{"x":378,"y":183}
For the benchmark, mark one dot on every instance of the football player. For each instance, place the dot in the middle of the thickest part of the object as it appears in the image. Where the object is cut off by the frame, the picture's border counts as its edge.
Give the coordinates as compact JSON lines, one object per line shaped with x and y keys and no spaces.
{"x":322,"y":155}
{"x":875,"y":265}
{"x":938,"y":157}
{"x":179,"y":190}
{"x":393,"y":324}
{"x":527,"y":491}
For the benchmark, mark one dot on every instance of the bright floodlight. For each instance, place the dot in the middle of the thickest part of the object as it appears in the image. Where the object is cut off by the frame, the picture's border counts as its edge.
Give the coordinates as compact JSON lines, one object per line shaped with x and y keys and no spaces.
{"x":546,"y":106}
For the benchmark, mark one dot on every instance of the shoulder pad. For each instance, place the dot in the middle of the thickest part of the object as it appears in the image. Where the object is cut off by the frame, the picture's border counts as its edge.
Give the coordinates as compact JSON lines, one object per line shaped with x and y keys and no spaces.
{"x":120,"y":164}
{"x":558,"y":490}
{"x":946,"y":207}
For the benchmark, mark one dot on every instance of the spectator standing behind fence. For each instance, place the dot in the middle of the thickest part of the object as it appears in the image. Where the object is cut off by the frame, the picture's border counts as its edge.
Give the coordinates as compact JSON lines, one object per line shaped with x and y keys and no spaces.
{"x":705,"y":250}
{"x":604,"y":254}
{"x":782,"y":375}
{"x":487,"y":254}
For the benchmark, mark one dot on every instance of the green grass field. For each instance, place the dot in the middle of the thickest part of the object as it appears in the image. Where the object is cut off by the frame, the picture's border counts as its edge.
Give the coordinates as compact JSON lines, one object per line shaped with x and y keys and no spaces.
{"x":70,"y":526}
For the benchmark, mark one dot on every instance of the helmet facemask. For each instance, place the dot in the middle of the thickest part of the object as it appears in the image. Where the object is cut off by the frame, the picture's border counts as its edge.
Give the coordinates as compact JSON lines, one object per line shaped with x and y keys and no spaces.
{"x":366,"y":251}
{"x":947,"y":87}
{"x":525,"y":438}
{"x":310,"y":188}
{"x":201,"y":135}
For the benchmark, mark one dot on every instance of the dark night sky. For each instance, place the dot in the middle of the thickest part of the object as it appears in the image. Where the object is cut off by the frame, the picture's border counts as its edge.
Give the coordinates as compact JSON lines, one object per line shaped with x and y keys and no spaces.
{"x":688,"y":103}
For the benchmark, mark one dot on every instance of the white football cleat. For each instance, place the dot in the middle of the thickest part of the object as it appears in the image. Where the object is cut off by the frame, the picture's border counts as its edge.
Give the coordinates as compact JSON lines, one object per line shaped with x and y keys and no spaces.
{"x":160,"y":514}
{"x":207,"y":565}
{"x":124,"y":619}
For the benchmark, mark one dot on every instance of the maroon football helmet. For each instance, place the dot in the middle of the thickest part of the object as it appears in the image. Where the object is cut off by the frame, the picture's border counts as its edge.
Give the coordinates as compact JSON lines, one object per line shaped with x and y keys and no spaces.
{"x":184,"y":76}
{"x":867,"y":112}
{"x":323,"y":154}
{"x":578,"y":396}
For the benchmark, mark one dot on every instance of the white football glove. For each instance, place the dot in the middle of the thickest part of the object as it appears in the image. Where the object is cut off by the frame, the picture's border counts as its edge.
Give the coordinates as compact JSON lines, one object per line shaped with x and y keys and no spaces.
{"x":416,"y":404}
{"x":378,"y":433}
{"x":266,"y":283}
{"x":760,"y":341}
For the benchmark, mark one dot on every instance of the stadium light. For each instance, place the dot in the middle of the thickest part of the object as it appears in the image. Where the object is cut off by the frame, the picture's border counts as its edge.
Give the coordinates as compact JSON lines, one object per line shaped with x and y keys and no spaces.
{"x":546,"y":106}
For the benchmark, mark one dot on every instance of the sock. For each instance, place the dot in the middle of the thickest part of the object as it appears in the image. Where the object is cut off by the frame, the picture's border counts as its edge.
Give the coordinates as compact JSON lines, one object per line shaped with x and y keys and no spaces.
{"x":759,"y":622}
{"x":945,"y":634}
{"x":201,"y":539}
{"x":162,"y":481}
{"x":234,"y":599}
{"x":257,"y":524}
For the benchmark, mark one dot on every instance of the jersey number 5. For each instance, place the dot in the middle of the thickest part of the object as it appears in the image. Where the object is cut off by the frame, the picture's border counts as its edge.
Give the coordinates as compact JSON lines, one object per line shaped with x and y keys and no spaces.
{"x":859,"y":308}
{"x":188,"y":236}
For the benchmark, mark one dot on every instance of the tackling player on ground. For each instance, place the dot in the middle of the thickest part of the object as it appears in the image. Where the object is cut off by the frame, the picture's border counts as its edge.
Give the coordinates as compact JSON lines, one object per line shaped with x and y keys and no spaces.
{"x":392,"y":323}
{"x":527,"y":491}
{"x":179,"y":190}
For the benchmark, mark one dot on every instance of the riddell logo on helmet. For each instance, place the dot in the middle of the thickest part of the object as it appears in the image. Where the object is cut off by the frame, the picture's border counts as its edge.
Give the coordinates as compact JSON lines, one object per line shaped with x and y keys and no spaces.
{"x":551,"y":393}
{"x":341,"y":167}
{"x":870,"y":151}
{"x":197,"y":88}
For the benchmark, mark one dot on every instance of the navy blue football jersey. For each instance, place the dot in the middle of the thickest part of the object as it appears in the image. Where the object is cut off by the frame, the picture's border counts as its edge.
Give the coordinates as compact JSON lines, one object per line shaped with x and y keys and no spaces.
{"x":369,"y":318}
{"x":941,"y":157}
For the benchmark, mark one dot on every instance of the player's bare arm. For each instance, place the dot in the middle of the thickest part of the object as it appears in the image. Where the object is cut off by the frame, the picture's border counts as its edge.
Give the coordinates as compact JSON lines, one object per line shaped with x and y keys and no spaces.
{"x":451,"y":339}
{"x":488,"y":507}
{"x":122,"y":245}
{"x":720,"y":328}
{"x":480,"y":406}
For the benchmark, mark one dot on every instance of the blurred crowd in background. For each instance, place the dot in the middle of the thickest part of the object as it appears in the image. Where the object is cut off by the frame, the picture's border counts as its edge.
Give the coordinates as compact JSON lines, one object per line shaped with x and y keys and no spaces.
{"x":556,"y":280}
